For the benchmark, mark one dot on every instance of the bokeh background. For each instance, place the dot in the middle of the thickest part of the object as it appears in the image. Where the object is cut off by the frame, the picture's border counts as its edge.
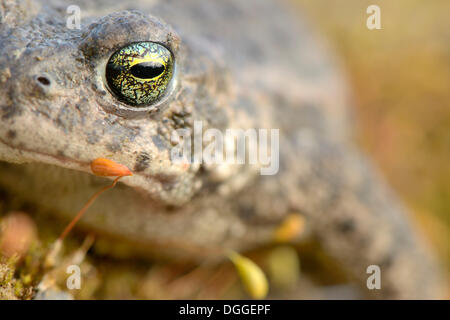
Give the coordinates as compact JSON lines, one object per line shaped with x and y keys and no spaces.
{"x":400,"y":76}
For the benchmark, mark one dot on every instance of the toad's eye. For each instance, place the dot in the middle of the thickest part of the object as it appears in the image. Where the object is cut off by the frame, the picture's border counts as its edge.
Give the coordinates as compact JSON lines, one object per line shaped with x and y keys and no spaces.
{"x":140,"y":73}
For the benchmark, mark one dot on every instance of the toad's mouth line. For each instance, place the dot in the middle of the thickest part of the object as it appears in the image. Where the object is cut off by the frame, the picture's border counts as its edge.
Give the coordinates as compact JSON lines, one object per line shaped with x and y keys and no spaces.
{"x":30,"y":155}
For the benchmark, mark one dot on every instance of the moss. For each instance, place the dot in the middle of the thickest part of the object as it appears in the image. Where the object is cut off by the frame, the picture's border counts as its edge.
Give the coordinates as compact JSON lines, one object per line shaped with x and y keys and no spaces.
{"x":12,"y":288}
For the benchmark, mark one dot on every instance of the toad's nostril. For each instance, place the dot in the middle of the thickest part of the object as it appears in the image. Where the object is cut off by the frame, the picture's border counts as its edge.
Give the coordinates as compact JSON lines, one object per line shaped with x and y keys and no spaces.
{"x":43,"y":80}
{"x":44,"y":84}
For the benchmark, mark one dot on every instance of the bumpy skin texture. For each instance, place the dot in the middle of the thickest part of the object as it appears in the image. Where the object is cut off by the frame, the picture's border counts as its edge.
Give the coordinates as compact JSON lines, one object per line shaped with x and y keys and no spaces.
{"x":240,"y":64}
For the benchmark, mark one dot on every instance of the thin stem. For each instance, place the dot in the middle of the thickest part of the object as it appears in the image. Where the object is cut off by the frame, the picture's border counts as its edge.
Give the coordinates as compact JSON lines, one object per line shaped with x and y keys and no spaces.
{"x":85,"y":207}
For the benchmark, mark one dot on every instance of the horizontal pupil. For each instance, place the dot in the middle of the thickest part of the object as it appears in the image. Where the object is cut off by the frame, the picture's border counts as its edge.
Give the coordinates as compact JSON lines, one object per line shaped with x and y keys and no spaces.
{"x":147,"y":70}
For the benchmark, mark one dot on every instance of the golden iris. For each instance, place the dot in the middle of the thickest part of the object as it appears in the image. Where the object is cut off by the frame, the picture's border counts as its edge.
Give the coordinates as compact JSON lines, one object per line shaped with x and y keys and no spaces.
{"x":139,"y":73}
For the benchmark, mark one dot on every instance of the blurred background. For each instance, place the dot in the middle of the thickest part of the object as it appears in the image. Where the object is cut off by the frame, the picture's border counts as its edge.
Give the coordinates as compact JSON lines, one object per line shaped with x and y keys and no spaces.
{"x":400,"y":76}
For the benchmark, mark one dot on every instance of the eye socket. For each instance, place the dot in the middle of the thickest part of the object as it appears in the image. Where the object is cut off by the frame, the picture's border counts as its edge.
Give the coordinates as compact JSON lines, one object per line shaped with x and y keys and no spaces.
{"x":139,"y":73}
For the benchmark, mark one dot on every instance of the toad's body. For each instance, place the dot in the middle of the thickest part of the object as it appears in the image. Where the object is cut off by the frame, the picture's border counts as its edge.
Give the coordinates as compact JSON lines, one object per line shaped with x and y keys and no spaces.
{"x":239,"y":64}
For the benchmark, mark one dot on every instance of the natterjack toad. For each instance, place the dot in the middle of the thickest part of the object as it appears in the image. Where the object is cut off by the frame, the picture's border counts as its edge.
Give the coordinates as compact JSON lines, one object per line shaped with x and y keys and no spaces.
{"x":136,"y":72}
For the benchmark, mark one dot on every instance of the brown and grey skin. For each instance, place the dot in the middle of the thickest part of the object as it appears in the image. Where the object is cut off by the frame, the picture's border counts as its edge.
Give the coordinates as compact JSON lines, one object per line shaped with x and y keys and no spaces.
{"x":240,"y":64}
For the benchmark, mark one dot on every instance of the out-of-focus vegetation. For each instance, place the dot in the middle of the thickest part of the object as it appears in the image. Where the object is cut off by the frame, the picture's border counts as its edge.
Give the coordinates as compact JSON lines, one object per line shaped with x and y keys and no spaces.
{"x":400,"y":76}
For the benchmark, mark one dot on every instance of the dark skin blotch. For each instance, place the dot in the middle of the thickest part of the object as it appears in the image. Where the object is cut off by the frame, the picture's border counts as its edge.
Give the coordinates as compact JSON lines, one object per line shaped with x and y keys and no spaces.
{"x":142,"y":162}
{"x":93,"y":137}
{"x":387,"y":262}
{"x":159,"y":143}
{"x":167,"y":180}
{"x":113,"y":147}
{"x":12,"y":134}
{"x":346,"y":226}
{"x":246,"y":212}
{"x":61,"y":153}
{"x":9,"y":112}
